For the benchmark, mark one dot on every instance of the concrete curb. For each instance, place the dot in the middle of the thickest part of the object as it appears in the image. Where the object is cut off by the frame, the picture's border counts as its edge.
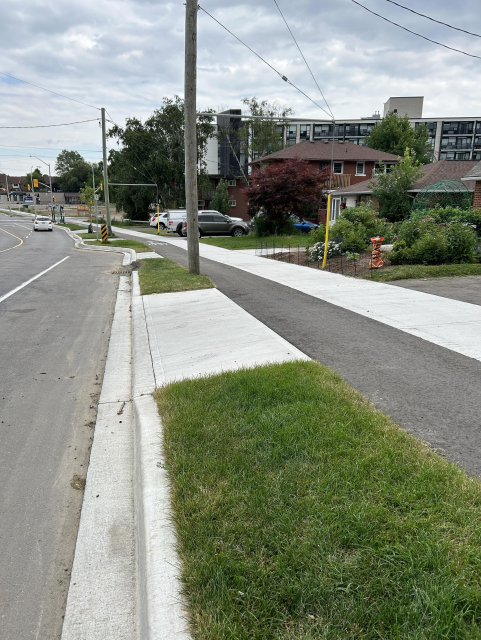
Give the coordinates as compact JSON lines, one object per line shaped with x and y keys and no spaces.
{"x":129,"y":254}
{"x":161,"y":615}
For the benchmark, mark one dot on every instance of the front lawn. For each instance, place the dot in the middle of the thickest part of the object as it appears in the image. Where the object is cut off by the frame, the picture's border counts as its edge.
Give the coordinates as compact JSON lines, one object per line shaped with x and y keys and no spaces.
{"x":405,"y":272}
{"x":251,"y":242}
{"x":303,"y":512}
{"x":161,"y":275}
{"x":139,"y":247}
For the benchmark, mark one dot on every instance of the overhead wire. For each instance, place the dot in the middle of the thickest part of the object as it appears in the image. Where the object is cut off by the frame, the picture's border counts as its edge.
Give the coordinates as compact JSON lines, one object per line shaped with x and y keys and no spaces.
{"x":471,"y":55}
{"x":17,"y":146}
{"x":46,"y":126}
{"x":303,"y":57}
{"x":281,"y":75}
{"x":470,"y":33}
{"x":49,"y":90}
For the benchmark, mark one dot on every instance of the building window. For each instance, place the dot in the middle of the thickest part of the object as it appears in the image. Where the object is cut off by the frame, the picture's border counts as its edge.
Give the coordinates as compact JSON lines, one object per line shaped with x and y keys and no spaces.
{"x":478,"y":127}
{"x":457,"y":128}
{"x":305,"y":132}
{"x":232,"y":183}
{"x":322,"y":130}
{"x":360,"y":169}
{"x":338,"y":167}
{"x":291,"y":132}
{"x":324,"y":166}
{"x":200,"y":203}
{"x":365,"y":129}
{"x":477,"y":143}
{"x":335,"y":209}
{"x":456,"y":142}
{"x":477,"y":155}
{"x":378,"y":168}
{"x":232,"y":203}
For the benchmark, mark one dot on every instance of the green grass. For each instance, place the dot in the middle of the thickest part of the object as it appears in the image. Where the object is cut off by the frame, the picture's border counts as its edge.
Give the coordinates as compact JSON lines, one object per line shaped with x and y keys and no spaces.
{"x":302,"y":512}
{"x":150,"y":231}
{"x":404,"y":272}
{"x":160,"y":275}
{"x":140,"y":247}
{"x":251,"y":242}
{"x":71,"y":226}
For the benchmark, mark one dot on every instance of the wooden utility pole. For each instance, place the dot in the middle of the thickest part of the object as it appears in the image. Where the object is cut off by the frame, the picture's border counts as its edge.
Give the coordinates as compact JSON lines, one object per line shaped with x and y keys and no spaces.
{"x":190,"y":135}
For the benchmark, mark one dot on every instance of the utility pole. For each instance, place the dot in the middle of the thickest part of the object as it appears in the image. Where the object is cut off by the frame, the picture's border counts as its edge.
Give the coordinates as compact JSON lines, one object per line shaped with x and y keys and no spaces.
{"x":8,"y":198}
{"x":95,"y":201}
{"x":50,"y":181}
{"x":106,"y":177}
{"x":33,"y":191}
{"x":190,"y":135}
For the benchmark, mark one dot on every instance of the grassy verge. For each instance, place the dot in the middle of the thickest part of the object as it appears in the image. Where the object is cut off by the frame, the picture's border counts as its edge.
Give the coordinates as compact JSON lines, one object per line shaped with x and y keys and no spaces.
{"x":140,"y":247}
{"x":166,"y":276}
{"x":302,"y":512}
{"x":71,"y":226}
{"x":405,"y":272}
{"x":150,"y":231}
{"x":251,"y":242}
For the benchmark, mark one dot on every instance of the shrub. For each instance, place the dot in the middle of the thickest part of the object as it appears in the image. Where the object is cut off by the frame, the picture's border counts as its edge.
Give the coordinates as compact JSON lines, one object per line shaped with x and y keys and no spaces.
{"x":430,"y":249}
{"x":265,"y":227}
{"x":357,"y":225}
{"x":461,"y":243}
{"x":316,"y":252}
{"x":401,"y":253}
{"x":318,"y":235}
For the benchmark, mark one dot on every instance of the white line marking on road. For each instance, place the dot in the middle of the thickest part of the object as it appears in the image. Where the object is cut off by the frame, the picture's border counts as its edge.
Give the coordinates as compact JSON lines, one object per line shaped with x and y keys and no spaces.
{"x":10,"y":293}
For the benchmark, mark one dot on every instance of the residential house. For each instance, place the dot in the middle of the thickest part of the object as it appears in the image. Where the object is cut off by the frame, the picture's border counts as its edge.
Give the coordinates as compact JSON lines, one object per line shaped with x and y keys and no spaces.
{"x":474,"y":176}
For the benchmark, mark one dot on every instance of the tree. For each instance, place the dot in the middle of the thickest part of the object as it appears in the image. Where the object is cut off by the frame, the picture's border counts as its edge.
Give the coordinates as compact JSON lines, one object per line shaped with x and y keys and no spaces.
{"x":390,"y":188}
{"x":284,"y":188}
{"x":153,"y":152}
{"x":37,"y":174}
{"x":87,"y":196}
{"x":394,"y":134}
{"x":74,"y":172}
{"x":258,"y":138}
{"x":220,"y":201}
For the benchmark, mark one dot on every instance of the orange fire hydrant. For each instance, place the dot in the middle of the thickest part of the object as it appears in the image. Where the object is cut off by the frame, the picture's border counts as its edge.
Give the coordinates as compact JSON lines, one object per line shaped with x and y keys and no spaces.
{"x":375,"y":262}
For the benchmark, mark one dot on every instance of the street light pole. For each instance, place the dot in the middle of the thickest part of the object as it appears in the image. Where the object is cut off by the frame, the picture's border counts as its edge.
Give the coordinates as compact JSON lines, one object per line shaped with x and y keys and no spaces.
{"x":190,"y":135}
{"x":33,"y":191}
{"x":95,"y":201}
{"x":8,"y":198}
{"x":50,"y":181}
{"x":106,"y":177}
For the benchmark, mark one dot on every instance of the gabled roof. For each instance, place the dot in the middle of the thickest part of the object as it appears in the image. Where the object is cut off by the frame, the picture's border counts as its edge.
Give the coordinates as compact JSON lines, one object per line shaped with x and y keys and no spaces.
{"x":321,"y":151}
{"x":433,"y":172}
{"x":474,"y":173}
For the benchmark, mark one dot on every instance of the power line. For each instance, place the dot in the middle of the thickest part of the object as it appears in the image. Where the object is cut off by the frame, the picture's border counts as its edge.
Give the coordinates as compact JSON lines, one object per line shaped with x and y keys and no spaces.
{"x":49,"y":90}
{"x":265,"y":62}
{"x":307,"y":65}
{"x":471,"y":55}
{"x":17,"y":146}
{"x":45,"y":126}
{"x":470,"y":33}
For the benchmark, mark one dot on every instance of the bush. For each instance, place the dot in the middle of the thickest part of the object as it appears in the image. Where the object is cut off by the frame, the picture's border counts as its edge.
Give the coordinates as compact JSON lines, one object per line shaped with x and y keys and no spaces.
{"x":316,"y":252}
{"x":318,"y":235}
{"x":265,"y":227}
{"x":461,"y":243}
{"x":471,"y":217}
{"x":401,"y":253}
{"x":430,"y":249}
{"x":357,"y":225}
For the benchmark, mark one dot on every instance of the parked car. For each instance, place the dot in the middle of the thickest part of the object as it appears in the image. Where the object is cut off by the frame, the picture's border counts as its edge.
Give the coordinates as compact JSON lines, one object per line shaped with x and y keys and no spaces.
{"x":175,"y":220}
{"x":303,"y":225}
{"x":213,"y":223}
{"x":42,"y":223}
{"x":162,"y":222}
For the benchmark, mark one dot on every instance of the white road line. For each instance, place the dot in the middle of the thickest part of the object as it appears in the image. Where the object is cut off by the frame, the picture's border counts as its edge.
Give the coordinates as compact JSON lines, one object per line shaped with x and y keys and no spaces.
{"x":10,"y":293}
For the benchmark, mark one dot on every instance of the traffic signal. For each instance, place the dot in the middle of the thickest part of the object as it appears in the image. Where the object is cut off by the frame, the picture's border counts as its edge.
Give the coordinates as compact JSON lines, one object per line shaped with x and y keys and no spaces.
{"x":101,"y":186}
{"x":28,"y":187}
{"x":35,"y":182}
{"x":54,"y":199}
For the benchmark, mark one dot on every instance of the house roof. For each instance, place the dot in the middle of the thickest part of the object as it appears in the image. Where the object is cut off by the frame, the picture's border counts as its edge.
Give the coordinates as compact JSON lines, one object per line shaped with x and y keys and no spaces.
{"x":321,"y":151}
{"x":474,"y":173}
{"x":433,"y":172}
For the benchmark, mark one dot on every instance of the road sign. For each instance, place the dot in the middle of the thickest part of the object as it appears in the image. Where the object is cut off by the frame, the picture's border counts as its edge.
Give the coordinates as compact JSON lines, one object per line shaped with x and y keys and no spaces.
{"x":105,"y":235}
{"x":28,"y":199}
{"x":96,"y":196}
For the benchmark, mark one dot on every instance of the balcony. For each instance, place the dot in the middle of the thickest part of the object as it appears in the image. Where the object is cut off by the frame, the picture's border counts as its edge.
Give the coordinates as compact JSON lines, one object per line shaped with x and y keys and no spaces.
{"x":454,"y":147}
{"x":341,"y":180}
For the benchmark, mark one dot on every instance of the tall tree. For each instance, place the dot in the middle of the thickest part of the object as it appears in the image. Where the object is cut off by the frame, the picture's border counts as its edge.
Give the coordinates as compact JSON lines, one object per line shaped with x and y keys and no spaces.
{"x":394,"y":134}
{"x":220,"y":201}
{"x":74,"y":172}
{"x":391,"y":188}
{"x":257,"y":137}
{"x":285,"y":188}
{"x":153,"y":152}
{"x":37,"y":174}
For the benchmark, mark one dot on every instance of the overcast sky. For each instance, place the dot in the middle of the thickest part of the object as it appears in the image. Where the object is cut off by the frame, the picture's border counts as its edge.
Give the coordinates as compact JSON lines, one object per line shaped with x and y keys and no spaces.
{"x":126,"y":55}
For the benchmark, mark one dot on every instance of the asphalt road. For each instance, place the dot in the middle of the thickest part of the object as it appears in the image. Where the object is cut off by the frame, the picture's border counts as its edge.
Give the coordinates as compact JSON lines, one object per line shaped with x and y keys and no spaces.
{"x":430,"y":391}
{"x":53,"y":342}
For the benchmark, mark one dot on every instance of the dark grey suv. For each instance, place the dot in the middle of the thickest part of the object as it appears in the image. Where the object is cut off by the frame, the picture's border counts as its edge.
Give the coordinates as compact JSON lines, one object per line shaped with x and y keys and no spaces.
{"x":213,"y":224}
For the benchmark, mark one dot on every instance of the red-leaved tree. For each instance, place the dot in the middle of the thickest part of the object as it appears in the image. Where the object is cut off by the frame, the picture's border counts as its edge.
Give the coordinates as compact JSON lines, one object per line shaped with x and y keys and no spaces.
{"x":281,"y":189}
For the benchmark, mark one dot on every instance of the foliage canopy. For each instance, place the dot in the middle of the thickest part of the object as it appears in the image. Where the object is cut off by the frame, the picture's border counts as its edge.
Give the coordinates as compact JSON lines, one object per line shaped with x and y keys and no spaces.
{"x":394,"y":134}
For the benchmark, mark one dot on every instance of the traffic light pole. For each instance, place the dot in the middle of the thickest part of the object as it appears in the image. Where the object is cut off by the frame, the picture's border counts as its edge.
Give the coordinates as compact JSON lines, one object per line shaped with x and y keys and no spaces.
{"x":8,"y":198}
{"x":190,"y":135}
{"x":33,"y":191}
{"x":106,"y":177}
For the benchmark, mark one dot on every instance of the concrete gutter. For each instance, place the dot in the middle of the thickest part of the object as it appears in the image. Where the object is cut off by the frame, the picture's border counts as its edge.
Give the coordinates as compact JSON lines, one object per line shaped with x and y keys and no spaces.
{"x":161,"y":614}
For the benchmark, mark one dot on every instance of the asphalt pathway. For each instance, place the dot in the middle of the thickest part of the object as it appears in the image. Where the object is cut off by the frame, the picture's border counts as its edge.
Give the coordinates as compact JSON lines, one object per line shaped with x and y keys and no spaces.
{"x":429,"y":390}
{"x":54,"y":335}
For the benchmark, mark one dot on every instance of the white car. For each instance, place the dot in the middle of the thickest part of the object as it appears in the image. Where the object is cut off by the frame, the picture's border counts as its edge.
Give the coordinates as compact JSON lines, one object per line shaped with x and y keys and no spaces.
{"x":162,"y":222}
{"x":42,"y":223}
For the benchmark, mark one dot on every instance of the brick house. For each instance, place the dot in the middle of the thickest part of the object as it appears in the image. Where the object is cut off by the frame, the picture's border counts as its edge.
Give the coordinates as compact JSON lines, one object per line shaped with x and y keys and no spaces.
{"x":351,"y":163}
{"x":474,"y":176}
{"x":355,"y":194}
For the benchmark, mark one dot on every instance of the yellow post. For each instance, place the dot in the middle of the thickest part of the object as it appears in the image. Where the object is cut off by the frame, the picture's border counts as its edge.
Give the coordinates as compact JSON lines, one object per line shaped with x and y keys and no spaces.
{"x":326,"y":241}
{"x":158,"y":219}
{"x":104,"y":232}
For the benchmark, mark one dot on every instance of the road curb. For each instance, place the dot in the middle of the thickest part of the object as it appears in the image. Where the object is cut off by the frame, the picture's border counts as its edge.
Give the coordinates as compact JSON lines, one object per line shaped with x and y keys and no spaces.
{"x":161,"y":614}
{"x":129,"y":254}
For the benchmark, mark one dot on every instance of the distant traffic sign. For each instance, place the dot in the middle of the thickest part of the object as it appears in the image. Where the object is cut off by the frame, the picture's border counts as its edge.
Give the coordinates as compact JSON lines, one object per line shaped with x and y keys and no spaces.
{"x":96,"y":196}
{"x":28,"y":199}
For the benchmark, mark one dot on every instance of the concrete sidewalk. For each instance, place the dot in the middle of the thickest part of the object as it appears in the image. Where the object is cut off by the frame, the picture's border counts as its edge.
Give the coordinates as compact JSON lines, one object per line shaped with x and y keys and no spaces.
{"x":448,"y":323}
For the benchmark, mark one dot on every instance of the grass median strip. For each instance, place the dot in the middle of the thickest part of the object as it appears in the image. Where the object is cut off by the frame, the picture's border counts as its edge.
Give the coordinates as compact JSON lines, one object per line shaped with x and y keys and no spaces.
{"x":71,"y":226}
{"x":303,"y":512}
{"x":417,"y":271}
{"x":166,"y":276}
{"x":251,"y":242}
{"x":140,"y":247}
